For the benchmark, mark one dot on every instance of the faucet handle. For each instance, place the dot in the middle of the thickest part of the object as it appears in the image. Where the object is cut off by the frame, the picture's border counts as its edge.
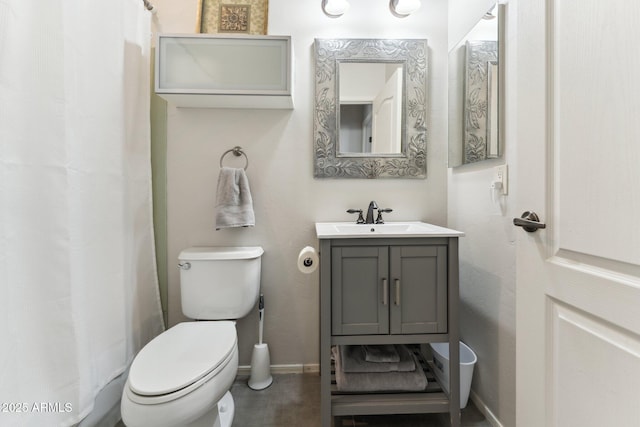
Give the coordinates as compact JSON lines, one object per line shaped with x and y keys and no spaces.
{"x":360,"y":219}
{"x":379,"y":220}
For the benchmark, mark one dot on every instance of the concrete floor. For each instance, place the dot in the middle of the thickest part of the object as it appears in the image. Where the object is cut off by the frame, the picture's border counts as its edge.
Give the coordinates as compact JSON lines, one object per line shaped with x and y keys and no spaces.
{"x":293,"y":400}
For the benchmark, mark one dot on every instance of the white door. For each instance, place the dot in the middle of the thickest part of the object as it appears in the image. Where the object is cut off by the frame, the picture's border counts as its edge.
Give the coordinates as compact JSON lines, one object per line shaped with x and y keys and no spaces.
{"x":578,"y":158}
{"x":387,"y":115}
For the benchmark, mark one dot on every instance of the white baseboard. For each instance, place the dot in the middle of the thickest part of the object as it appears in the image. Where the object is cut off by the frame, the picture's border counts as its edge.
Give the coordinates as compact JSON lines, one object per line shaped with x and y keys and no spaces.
{"x":297,"y":368}
{"x":482,"y":407}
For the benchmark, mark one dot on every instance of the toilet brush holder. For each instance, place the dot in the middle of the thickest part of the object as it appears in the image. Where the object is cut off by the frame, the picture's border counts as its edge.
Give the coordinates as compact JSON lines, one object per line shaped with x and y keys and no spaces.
{"x":260,"y":367}
{"x":260,"y":360}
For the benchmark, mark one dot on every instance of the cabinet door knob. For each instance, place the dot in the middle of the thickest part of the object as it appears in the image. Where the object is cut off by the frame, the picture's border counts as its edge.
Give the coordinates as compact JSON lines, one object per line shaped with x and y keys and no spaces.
{"x":385,"y":292}
{"x":397,"y":286}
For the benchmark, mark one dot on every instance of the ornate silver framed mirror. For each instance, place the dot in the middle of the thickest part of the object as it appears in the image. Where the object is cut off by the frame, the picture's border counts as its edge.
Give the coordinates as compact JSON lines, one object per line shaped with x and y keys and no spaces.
{"x":476,"y":92}
{"x":370,"y":108}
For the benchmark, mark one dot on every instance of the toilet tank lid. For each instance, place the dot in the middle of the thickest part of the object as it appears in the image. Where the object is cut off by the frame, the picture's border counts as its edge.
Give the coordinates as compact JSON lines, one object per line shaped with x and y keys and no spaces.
{"x":220,"y":253}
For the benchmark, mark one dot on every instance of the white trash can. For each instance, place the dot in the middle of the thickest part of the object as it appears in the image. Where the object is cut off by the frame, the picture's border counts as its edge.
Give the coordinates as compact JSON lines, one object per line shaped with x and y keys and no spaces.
{"x":468,"y":360}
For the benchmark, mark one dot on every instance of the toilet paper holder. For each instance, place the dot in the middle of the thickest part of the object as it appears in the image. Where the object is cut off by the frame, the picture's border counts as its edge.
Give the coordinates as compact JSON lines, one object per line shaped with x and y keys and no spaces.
{"x":308,"y":260}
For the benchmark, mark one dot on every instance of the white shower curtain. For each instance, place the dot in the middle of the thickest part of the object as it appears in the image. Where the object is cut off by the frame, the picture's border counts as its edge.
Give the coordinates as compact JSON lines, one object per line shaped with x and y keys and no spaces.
{"x":78,"y":285}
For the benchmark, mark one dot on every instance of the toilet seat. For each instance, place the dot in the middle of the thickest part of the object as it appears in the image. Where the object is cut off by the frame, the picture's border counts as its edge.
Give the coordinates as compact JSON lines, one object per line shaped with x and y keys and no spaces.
{"x":180,"y":360}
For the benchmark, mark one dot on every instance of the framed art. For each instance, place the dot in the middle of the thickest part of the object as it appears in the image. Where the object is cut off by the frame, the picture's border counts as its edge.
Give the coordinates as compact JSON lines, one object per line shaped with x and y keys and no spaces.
{"x":233,"y":16}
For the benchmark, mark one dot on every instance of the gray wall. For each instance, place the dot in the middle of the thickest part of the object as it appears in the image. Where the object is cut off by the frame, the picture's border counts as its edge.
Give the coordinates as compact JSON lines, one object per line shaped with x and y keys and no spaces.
{"x":487,"y":255}
{"x":287,"y":199}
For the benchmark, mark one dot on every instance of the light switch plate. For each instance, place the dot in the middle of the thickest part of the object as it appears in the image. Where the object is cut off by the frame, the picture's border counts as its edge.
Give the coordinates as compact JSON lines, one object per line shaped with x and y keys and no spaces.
{"x":502,"y":175}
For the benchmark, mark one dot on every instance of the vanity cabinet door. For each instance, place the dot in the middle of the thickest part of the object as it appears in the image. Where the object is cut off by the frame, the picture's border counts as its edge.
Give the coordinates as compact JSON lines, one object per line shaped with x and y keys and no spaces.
{"x":418,"y":289}
{"x":359,"y":290}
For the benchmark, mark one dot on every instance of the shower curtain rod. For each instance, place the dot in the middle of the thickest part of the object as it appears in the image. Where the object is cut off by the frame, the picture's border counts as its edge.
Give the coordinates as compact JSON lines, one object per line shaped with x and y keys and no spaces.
{"x":148,"y":5}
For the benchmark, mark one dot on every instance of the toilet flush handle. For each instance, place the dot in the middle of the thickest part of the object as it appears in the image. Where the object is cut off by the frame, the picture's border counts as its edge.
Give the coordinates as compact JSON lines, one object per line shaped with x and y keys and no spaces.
{"x":184,"y":265}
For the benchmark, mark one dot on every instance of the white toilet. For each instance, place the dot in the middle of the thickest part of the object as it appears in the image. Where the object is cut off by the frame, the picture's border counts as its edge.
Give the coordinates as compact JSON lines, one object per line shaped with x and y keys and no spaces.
{"x":183,"y":376}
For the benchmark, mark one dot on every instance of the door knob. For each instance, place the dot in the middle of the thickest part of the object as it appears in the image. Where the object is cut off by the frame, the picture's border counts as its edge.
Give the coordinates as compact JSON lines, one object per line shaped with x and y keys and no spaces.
{"x":529,"y":221}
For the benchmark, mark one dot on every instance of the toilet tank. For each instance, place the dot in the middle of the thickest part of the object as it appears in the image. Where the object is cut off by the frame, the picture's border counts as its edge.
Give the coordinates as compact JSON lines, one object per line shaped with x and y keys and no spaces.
{"x":219,"y":283}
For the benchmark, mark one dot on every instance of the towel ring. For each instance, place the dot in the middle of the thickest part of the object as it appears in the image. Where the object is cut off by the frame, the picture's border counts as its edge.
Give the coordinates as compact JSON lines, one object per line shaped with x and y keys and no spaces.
{"x":237,"y":151}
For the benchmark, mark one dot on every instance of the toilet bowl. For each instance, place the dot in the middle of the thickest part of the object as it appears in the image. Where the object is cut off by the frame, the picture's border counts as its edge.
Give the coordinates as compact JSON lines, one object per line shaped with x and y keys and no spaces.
{"x":198,"y":362}
{"x":182,"y":377}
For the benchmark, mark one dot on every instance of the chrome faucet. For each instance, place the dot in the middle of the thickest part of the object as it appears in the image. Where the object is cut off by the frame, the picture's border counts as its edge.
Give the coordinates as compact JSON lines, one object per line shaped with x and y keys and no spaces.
{"x":373,"y":205}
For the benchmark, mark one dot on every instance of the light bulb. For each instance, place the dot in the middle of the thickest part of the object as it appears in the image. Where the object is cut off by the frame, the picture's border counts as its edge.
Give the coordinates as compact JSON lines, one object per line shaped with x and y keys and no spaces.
{"x":402,"y":8}
{"x":335,"y":8}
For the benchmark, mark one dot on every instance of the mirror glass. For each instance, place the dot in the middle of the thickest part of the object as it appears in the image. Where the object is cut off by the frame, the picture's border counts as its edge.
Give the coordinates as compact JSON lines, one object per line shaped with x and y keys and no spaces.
{"x":475,"y":92}
{"x":370,"y":108}
{"x":370,"y":96}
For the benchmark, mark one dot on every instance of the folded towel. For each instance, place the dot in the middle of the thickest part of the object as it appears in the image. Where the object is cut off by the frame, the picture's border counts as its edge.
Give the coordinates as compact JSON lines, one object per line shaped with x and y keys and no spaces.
{"x":381,"y":353}
{"x":234,"y":205}
{"x":353,"y":360}
{"x":382,"y":381}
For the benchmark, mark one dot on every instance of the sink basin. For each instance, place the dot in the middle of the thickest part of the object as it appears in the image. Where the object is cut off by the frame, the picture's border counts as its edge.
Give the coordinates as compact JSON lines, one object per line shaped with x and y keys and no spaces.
{"x":343,"y":230}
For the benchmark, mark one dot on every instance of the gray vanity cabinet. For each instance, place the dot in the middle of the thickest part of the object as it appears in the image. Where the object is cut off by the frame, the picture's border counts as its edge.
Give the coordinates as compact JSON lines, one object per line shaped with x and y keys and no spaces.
{"x":389,"y":290}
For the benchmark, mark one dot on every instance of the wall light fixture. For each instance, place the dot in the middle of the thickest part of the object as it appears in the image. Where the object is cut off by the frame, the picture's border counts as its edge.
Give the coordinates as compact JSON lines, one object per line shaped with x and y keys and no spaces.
{"x":335,"y":8}
{"x":489,"y":15}
{"x":403,"y":8}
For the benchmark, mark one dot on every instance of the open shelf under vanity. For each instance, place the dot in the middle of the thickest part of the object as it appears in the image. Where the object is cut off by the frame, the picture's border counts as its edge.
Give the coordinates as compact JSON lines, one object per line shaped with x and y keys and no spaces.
{"x":431,"y":399}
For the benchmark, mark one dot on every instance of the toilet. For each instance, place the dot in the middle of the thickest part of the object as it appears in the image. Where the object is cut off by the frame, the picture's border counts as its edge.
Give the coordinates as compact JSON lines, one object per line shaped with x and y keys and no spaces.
{"x":183,"y":376}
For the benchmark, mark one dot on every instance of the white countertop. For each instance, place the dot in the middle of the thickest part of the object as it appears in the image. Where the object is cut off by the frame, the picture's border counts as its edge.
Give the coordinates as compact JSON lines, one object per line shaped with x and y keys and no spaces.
{"x":351,"y":230}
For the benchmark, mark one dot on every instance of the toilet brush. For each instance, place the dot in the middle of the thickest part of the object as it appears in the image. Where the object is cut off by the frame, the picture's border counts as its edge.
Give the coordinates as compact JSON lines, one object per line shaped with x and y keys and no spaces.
{"x":260,"y":361}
